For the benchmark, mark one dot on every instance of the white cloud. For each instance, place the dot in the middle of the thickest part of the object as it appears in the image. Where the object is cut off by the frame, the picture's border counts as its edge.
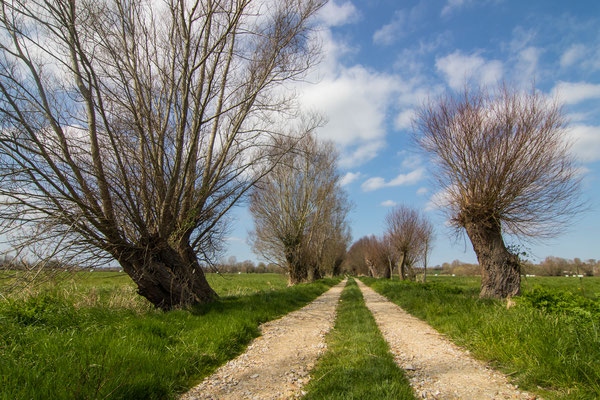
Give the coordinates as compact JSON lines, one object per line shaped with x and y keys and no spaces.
{"x":439,"y":200}
{"x":573,"y":54}
{"x":412,"y":161}
{"x":334,"y":14}
{"x":373,"y":184}
{"x":400,"y":180}
{"x":452,"y":5}
{"x":459,"y":69}
{"x":355,"y":102}
{"x":422,"y":191}
{"x":527,"y":65}
{"x":403,"y":21}
{"x":586,"y":142}
{"x":404,"y":119}
{"x":576,"y":92}
{"x":389,"y":203}
{"x":349,"y":178}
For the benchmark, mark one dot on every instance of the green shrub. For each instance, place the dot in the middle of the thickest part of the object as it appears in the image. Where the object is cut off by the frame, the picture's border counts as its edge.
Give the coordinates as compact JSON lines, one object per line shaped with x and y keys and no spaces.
{"x":562,"y":302}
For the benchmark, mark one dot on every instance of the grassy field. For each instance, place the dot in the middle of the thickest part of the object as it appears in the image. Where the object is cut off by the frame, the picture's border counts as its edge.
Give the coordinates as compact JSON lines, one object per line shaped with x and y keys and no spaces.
{"x":358,"y":364}
{"x":587,"y":286}
{"x":549,"y":342}
{"x":93,"y":337}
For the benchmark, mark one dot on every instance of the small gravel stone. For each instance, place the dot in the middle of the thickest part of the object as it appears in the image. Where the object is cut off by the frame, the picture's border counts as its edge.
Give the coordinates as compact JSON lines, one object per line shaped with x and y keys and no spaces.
{"x":277,"y":364}
{"x":436,"y":368}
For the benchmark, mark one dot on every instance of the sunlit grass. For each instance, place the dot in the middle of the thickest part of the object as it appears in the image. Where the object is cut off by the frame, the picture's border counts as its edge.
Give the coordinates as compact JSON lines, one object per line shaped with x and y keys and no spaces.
{"x":555,"y":354}
{"x":358,"y":364}
{"x":63,"y":344}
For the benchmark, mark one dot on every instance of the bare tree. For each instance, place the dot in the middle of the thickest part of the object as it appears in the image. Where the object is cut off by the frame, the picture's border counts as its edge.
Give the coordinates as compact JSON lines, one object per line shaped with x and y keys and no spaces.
{"x":298,"y":208}
{"x":371,"y":256}
{"x":129,"y":128}
{"x":426,"y":240}
{"x":406,"y":229}
{"x":355,"y":263}
{"x":503,"y":163}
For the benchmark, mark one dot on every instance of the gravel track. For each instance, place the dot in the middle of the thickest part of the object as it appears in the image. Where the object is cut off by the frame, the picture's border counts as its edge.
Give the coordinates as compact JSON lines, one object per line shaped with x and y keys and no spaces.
{"x":277,"y":364}
{"x":437,"y":368}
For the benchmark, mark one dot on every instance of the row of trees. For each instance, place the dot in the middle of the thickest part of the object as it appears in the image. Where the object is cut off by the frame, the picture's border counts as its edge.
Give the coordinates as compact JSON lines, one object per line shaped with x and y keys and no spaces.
{"x":300,"y":213}
{"x":406,"y":242}
{"x":128,"y":130}
{"x":550,"y":266}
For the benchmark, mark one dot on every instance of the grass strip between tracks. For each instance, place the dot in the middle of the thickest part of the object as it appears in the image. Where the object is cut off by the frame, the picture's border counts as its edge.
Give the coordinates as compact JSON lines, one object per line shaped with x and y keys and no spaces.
{"x":357,"y":364}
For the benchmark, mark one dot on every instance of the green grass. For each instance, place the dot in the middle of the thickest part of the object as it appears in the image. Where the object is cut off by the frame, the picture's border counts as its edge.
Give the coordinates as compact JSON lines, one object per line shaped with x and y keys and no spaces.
{"x":358,"y":364}
{"x":100,"y":287}
{"x":556,"y":354}
{"x":588,"y":286}
{"x":54,"y":347}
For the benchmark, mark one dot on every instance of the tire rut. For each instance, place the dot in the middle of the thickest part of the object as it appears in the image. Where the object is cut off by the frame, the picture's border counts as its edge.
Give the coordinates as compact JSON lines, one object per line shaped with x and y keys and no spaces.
{"x":277,"y":364}
{"x":437,"y":369}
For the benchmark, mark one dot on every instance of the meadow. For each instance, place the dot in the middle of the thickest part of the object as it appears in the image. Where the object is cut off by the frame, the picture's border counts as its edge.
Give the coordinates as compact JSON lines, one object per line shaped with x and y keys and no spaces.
{"x":92,"y":337}
{"x":548,"y":340}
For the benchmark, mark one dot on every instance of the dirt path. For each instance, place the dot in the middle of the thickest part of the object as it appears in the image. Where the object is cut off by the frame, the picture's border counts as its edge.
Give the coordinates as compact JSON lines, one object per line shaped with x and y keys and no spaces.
{"x":277,"y":364}
{"x":437,"y":369}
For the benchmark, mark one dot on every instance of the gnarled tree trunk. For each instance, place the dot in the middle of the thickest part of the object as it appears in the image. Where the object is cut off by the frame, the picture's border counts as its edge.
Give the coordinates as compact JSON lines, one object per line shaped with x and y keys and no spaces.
{"x":500,"y":270}
{"x":371,"y":268}
{"x":402,"y":266}
{"x":314,"y":273}
{"x":166,"y":275}
{"x":297,"y":269}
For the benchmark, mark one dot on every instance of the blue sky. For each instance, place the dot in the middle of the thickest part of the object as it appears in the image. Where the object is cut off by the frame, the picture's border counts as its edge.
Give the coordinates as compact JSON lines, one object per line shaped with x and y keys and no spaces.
{"x":383,"y":58}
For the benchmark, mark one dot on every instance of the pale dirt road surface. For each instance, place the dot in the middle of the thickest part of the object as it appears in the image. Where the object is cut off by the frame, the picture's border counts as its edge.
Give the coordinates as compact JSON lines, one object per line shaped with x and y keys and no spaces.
{"x":437,"y":368}
{"x":277,"y":364}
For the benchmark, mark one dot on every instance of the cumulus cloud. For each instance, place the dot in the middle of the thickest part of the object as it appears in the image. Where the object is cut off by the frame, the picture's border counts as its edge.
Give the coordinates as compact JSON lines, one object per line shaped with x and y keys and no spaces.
{"x":439,"y":200}
{"x":422,"y":191}
{"x":403,"y":21}
{"x":349,"y":178}
{"x":452,"y":5}
{"x":411,"y":161}
{"x":355,"y":102}
{"x":527,"y":64}
{"x":389,"y":203}
{"x":459,"y":68}
{"x":336,"y":14}
{"x":573,"y":54}
{"x":404,"y":119}
{"x":576,"y":92}
{"x":400,"y":180}
{"x":586,"y":142}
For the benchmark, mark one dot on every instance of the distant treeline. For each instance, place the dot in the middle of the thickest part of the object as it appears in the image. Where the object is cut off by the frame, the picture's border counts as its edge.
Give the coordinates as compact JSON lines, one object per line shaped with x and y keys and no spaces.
{"x":224,"y":266}
{"x":550,"y":266}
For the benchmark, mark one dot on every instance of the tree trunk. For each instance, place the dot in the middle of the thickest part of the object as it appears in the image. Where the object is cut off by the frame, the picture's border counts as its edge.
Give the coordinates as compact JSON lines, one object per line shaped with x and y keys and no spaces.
{"x":500,"y":270}
{"x":314,"y":273}
{"x":371,"y":268}
{"x":425,"y":262}
{"x":402,"y":267}
{"x":166,"y":276}
{"x":297,"y":269}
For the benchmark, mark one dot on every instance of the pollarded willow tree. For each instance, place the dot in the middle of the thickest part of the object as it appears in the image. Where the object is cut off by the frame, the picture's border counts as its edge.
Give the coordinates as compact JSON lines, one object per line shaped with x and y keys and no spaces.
{"x":300,"y":211}
{"x":409,"y":233}
{"x":503,"y":162}
{"x":128,"y":129}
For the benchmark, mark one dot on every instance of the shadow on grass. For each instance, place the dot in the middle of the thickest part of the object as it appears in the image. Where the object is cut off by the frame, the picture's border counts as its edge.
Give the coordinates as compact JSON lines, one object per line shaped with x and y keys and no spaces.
{"x":51,"y":349}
